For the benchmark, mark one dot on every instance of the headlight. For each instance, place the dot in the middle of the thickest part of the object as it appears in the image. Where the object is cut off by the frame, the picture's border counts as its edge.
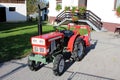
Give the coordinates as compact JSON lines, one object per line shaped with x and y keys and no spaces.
{"x":39,"y":49}
{"x":38,"y":41}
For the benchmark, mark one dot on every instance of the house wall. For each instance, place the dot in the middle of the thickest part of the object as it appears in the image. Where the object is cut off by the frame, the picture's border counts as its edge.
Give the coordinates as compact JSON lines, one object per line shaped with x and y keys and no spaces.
{"x":102,"y":8}
{"x":69,"y":3}
{"x":105,"y":10}
{"x":20,"y":14}
{"x":52,"y":5}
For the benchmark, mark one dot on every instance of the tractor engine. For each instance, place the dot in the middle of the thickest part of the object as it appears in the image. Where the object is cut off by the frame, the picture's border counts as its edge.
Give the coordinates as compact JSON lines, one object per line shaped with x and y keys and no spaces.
{"x":48,"y":43}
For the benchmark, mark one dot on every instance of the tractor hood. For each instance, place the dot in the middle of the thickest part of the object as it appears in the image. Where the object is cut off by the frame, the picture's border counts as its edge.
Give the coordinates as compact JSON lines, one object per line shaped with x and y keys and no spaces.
{"x":45,"y":38}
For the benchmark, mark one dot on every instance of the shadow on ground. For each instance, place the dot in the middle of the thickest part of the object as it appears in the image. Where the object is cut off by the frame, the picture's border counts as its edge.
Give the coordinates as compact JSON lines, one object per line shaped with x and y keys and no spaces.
{"x":73,"y":75}
{"x":82,"y":76}
{"x":91,"y":47}
{"x":22,"y":65}
{"x":8,"y":26}
{"x":85,"y":76}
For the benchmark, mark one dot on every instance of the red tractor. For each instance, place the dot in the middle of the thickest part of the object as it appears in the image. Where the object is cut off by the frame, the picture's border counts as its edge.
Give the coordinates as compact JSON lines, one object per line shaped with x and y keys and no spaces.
{"x":59,"y":46}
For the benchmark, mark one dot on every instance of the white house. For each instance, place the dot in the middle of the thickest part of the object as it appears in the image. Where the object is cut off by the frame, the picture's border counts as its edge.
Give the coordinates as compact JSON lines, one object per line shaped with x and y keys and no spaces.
{"x":13,"y":10}
{"x":105,"y":9}
{"x":53,"y":3}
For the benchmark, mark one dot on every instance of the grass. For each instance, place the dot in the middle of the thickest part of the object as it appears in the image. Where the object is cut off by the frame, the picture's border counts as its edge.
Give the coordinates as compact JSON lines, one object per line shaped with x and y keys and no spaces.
{"x":15,"y":39}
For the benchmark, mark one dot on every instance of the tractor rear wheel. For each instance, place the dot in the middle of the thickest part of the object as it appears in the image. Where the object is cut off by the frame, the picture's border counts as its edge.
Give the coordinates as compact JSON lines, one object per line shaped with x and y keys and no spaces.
{"x":79,"y":49}
{"x":58,"y":65}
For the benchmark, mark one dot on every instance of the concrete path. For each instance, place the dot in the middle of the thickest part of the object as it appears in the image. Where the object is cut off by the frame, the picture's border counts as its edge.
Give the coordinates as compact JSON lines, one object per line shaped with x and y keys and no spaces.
{"x":102,"y":62}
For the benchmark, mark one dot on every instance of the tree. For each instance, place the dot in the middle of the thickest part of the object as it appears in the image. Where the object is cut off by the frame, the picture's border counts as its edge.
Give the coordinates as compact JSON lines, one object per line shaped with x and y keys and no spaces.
{"x":31,"y":6}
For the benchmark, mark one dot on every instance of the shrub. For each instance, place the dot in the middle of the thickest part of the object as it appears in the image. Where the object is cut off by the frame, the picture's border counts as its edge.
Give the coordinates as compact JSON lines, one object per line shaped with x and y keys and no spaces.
{"x":118,"y":11}
{"x":58,"y":7}
{"x":82,"y":10}
{"x":67,"y":8}
{"x":75,"y":18}
{"x":73,"y":9}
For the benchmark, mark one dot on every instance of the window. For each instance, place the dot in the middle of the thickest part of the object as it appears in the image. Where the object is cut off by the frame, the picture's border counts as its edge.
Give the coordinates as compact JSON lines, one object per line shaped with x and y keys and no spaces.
{"x":59,"y":2}
{"x":12,"y":8}
{"x":117,"y":3}
{"x":58,"y":5}
{"x":82,"y":3}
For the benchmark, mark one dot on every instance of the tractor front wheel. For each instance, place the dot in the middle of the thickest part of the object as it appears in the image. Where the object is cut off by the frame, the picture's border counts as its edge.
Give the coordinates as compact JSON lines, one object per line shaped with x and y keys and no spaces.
{"x":58,"y":65}
{"x":33,"y":66}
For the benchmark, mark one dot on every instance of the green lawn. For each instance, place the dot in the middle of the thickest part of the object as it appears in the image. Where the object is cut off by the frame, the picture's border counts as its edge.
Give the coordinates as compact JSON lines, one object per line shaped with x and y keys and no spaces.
{"x":15,"y":39}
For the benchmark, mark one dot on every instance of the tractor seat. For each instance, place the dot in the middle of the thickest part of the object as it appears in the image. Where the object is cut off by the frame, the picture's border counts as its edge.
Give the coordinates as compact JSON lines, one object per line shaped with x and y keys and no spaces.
{"x":67,"y":33}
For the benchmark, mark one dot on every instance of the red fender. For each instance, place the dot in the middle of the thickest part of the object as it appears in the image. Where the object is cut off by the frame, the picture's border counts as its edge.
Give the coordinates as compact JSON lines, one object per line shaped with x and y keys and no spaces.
{"x":71,"y":43}
{"x":86,"y":40}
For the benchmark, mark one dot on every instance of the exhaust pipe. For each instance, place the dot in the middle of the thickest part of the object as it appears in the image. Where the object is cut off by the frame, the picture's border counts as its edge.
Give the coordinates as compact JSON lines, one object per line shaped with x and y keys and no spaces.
{"x":39,"y":21}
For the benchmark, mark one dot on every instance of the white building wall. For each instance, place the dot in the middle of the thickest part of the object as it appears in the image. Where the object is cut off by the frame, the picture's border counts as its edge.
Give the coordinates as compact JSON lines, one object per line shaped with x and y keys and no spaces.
{"x":104,"y":9}
{"x":20,"y":14}
{"x":52,"y":6}
{"x":69,"y":3}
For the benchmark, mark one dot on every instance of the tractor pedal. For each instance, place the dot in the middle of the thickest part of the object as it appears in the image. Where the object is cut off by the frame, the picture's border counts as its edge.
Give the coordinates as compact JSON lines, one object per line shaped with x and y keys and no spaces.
{"x":71,"y":60}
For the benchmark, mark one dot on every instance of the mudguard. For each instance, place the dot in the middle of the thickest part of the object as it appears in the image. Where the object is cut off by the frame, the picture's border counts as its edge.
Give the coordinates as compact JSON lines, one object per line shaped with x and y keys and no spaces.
{"x":86,"y":40}
{"x":71,"y":42}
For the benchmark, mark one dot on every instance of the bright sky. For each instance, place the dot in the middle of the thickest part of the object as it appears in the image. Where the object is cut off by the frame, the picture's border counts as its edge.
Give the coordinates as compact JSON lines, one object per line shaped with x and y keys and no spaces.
{"x":47,"y":0}
{"x":44,"y":0}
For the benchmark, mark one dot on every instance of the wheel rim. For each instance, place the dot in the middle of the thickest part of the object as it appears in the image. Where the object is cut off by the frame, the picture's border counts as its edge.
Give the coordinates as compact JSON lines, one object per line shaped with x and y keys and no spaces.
{"x":29,"y":63}
{"x":61,"y":66}
{"x":80,"y":49}
{"x":37,"y":65}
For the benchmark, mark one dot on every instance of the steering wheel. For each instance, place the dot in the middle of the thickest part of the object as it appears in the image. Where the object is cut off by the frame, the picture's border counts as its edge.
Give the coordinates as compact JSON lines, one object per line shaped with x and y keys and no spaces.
{"x":65,"y":31}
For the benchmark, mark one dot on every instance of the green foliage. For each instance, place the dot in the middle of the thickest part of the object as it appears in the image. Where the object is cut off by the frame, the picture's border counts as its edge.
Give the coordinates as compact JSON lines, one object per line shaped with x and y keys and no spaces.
{"x":67,"y":8}
{"x":75,"y":18}
{"x":82,"y":10}
{"x":81,"y":31}
{"x":73,"y":9}
{"x":31,"y":6}
{"x":58,"y":7}
{"x":118,"y":9}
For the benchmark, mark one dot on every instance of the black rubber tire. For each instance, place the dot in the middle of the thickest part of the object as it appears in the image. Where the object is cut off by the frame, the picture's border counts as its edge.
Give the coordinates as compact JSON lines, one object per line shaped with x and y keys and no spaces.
{"x":79,"y":49}
{"x":33,"y":66}
{"x":59,"y":63}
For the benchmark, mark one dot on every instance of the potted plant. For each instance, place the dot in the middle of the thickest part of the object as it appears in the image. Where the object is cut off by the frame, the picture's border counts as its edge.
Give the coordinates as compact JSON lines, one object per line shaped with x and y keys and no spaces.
{"x":77,"y":10}
{"x":82,"y":11}
{"x":58,"y":7}
{"x":75,"y":18}
{"x":73,"y":9}
{"x":118,"y":11}
{"x":67,"y":9}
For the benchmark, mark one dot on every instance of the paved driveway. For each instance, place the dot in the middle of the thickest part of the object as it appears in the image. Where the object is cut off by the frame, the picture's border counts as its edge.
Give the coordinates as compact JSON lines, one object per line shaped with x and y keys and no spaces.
{"x":102,"y":62}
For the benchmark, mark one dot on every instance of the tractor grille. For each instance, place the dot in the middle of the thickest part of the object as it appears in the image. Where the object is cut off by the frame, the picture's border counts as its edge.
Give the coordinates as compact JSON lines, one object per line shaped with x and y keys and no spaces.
{"x":37,"y":49}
